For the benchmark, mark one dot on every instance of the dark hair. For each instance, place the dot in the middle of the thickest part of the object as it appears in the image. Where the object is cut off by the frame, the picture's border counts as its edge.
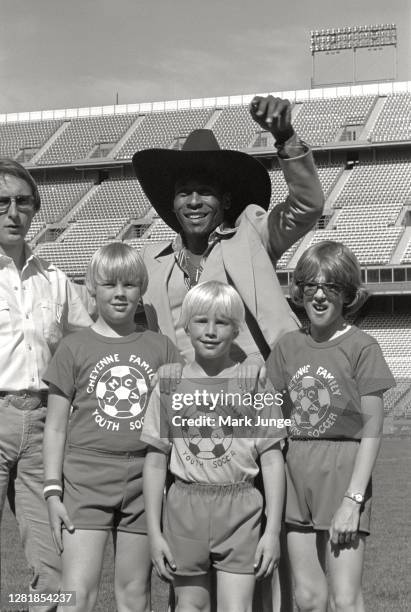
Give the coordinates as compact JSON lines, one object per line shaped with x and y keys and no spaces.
{"x":337,"y":264}
{"x":13,"y":168}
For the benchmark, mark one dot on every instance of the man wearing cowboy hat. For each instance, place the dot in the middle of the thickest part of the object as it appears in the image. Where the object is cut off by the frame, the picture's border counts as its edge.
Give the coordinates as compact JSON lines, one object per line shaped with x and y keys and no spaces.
{"x":217,"y":202}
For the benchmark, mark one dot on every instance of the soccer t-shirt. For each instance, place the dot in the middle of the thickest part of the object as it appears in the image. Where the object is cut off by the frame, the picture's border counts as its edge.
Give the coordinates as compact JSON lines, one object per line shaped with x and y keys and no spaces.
{"x":108,"y":382}
{"x":214,"y":432}
{"x":324,"y":381}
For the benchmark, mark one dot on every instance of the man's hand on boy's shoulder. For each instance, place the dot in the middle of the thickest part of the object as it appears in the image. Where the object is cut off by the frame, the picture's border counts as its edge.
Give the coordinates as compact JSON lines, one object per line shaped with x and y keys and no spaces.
{"x":252,"y":373}
{"x":168,"y":376}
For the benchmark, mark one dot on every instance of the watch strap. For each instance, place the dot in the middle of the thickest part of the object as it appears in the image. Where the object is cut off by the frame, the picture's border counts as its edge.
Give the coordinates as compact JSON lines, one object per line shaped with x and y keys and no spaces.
{"x":358,"y":498}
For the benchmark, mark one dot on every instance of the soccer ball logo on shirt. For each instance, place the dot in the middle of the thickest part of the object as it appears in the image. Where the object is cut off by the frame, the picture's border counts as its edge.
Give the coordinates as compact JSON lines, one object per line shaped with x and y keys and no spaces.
{"x":311,"y":401}
{"x":122,"y":392}
{"x":208,"y":440}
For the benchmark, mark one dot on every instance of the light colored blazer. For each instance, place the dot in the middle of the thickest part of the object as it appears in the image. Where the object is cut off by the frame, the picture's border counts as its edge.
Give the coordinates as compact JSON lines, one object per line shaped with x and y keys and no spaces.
{"x":249,"y":256}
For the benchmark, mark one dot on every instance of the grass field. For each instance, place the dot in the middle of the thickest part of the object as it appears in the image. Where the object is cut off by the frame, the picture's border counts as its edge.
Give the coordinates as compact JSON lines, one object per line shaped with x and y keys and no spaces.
{"x":387,"y":577}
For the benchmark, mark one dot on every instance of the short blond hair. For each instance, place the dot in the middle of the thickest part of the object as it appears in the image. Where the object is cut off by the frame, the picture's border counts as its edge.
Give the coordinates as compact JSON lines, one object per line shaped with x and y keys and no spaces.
{"x":213,"y":296}
{"x":116,"y":261}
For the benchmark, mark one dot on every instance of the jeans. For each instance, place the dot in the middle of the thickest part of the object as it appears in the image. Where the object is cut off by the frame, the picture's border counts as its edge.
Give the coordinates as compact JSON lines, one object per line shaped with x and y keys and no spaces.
{"x":21,"y":469}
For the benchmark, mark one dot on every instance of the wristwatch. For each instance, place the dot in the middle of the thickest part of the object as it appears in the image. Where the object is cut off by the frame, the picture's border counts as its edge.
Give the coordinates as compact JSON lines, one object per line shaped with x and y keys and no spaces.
{"x":358,"y":498}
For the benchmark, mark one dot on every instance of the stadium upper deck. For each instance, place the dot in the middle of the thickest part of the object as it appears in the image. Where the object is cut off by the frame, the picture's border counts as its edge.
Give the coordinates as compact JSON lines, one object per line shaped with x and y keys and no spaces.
{"x":361,"y":136}
{"x":367,"y":114}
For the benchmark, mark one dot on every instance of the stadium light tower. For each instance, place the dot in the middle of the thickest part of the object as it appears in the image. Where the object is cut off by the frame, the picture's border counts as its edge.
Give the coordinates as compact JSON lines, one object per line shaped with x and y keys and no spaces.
{"x":353,"y":39}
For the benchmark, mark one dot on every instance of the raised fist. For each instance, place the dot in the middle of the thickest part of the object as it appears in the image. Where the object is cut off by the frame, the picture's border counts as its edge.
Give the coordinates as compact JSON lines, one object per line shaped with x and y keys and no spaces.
{"x":273,"y":115}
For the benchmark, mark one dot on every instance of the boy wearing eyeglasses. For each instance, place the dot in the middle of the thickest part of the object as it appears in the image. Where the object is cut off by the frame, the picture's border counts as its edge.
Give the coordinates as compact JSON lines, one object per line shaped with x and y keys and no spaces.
{"x":38,"y":305}
{"x":334,"y":375}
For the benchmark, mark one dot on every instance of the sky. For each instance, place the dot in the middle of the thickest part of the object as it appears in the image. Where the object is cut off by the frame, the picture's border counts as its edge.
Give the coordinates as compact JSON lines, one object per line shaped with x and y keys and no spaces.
{"x":76,"y":53}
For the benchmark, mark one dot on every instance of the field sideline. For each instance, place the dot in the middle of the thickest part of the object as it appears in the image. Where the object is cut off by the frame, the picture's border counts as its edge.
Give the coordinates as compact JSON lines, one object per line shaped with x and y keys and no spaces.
{"x":387,"y":583}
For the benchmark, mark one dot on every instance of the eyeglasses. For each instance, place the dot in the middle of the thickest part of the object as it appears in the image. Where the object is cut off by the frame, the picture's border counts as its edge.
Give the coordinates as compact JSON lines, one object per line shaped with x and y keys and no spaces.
{"x":331,"y":290}
{"x":24,"y":203}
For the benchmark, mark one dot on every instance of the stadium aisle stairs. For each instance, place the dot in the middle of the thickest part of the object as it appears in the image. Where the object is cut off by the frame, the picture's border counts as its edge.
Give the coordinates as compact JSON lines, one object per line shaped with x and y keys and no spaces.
{"x":373,"y":118}
{"x":49,"y":142}
{"x":125,"y":137}
{"x":79,"y":204}
{"x":401,"y":247}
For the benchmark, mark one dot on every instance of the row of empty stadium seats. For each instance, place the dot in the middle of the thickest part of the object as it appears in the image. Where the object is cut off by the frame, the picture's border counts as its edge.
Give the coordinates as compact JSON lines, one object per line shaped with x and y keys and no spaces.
{"x":393,"y":333}
{"x":114,"y":198}
{"x":92,"y":231}
{"x":235,"y":129}
{"x":72,"y":261}
{"x":80,"y":136}
{"x":327,"y":175}
{"x":57,"y":198}
{"x":160,"y":129}
{"x":372,"y":247}
{"x":375,"y":193}
{"x":75,"y":246}
{"x":319,"y":121}
{"x":28,"y":134}
{"x":397,"y":400}
{"x":35,"y":227}
{"x":394,"y":122}
{"x":288,"y":255}
{"x":138,"y":243}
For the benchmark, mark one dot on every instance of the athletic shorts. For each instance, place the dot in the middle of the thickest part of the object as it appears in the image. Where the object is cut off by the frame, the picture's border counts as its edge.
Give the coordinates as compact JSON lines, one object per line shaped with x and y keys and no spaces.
{"x":104,"y":490}
{"x":213,"y":526}
{"x":318,"y":475}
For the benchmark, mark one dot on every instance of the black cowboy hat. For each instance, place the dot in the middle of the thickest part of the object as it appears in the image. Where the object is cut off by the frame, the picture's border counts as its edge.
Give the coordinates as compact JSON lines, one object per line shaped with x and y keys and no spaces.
{"x":240,"y":174}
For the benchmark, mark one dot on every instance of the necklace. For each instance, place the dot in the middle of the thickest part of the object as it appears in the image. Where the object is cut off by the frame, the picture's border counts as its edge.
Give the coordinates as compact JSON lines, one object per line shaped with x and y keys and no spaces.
{"x":194,"y":267}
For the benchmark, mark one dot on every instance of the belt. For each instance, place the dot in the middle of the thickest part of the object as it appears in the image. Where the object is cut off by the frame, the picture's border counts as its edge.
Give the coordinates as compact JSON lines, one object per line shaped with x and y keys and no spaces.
{"x":25,"y":400}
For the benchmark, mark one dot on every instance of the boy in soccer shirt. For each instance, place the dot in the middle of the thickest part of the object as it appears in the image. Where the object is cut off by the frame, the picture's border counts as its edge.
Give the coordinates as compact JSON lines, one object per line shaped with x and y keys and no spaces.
{"x":213,"y":511}
{"x":334,"y":375}
{"x":94,"y":487}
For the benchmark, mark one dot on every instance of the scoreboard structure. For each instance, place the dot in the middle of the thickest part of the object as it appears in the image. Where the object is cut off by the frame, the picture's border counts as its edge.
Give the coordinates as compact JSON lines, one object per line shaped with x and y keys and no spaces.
{"x":354,"y":54}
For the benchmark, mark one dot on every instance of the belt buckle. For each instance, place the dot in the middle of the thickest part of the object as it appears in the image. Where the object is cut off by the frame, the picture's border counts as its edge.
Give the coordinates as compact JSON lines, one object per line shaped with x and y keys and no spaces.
{"x":24,"y":401}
